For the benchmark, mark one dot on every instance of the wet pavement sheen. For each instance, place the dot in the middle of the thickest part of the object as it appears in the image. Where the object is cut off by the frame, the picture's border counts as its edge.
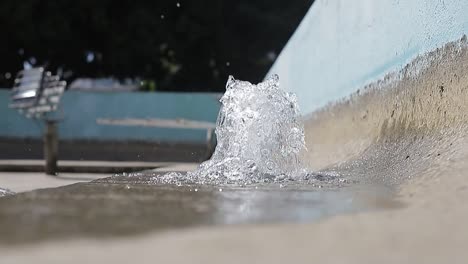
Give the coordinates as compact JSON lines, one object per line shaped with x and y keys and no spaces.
{"x":120,"y":206}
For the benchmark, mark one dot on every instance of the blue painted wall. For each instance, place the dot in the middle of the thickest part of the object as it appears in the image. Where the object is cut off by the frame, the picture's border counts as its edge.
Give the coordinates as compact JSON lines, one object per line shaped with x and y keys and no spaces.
{"x":341,"y":45}
{"x":81,"y":109}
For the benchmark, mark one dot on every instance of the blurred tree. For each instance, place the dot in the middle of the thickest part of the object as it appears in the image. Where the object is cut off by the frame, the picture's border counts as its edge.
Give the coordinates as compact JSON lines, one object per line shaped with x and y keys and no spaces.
{"x":172,"y":45}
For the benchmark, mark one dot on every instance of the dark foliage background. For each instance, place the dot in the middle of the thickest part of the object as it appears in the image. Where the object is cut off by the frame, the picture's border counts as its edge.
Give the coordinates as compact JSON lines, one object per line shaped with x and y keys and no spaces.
{"x":187,"y":45}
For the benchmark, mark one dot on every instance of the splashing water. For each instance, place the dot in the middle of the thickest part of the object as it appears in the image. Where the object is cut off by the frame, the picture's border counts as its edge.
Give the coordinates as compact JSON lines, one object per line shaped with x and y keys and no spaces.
{"x":5,"y":192}
{"x":260,"y":135}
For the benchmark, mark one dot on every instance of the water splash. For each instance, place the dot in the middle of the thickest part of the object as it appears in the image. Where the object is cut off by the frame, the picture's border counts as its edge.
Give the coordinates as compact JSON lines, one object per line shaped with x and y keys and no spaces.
{"x":5,"y":192}
{"x":260,"y":135}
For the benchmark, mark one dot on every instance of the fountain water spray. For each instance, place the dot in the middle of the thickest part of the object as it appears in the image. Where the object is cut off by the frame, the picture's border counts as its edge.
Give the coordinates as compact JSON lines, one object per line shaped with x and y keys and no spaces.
{"x":260,"y":135}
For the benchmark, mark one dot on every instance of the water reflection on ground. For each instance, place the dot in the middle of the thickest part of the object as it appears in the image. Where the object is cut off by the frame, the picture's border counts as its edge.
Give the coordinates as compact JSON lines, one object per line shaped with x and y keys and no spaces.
{"x":128,"y":205}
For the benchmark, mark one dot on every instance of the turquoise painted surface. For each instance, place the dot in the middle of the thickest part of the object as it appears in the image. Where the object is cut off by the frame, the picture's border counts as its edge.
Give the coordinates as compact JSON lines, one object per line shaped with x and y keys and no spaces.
{"x":342,"y":45}
{"x":81,"y":109}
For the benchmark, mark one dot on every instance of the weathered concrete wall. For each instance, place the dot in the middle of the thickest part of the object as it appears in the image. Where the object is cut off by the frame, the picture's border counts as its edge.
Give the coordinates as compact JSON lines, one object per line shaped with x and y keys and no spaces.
{"x":342,"y":45}
{"x":413,"y":122}
{"x":82,"y":109}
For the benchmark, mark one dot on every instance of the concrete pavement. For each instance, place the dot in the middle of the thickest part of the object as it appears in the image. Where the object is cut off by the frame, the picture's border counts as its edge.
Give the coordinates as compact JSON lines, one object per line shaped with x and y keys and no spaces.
{"x":27,"y":181}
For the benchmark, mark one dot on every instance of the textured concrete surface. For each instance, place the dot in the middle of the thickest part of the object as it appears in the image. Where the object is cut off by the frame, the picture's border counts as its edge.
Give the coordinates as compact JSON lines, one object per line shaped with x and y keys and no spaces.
{"x":27,"y":181}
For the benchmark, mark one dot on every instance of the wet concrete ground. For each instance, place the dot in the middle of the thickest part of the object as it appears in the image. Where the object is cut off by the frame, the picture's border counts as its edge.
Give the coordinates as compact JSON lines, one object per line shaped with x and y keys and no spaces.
{"x":122,"y":206}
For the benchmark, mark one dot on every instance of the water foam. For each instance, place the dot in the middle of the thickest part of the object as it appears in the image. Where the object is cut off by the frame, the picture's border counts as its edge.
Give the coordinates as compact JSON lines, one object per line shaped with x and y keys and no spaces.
{"x":5,"y":192}
{"x":260,"y":136}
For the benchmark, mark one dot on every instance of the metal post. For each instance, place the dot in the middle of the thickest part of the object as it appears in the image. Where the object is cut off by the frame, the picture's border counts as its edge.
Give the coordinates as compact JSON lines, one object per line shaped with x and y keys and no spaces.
{"x":51,"y":147}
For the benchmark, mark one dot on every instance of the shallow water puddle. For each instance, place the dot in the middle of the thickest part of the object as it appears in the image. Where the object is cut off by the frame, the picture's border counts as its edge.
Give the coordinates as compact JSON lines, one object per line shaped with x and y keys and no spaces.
{"x":128,"y":206}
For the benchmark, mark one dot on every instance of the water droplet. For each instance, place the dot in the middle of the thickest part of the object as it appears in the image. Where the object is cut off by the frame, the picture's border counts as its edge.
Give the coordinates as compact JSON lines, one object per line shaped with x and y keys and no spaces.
{"x":270,"y":165}
{"x":89,"y":56}
{"x":230,"y":83}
